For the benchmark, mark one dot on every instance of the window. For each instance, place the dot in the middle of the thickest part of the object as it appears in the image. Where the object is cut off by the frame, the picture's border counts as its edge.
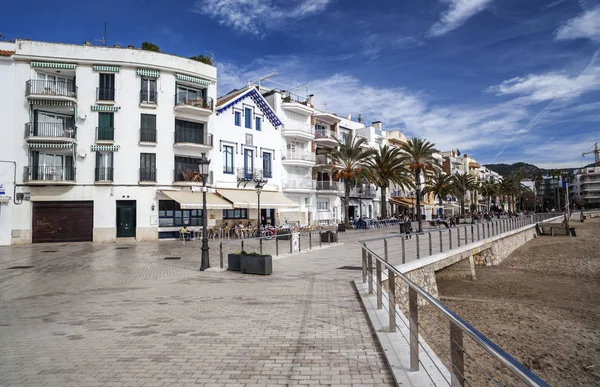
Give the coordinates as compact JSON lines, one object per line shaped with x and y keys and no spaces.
{"x":104,"y":166}
{"x":188,"y":96}
{"x":46,"y":166}
{"x":321,"y":130}
{"x":248,"y":118}
{"x":106,"y":127}
{"x":227,"y":159}
{"x":52,"y":84}
{"x":148,"y":128}
{"x":106,"y":87}
{"x":238,"y":118}
{"x":148,"y":91}
{"x":186,"y":168}
{"x":170,"y":214}
{"x":267,"y":171}
{"x":248,"y":163}
{"x":257,"y":123}
{"x":147,"y":167}
{"x":52,"y":125}
{"x":238,"y":213}
{"x":322,"y":205}
{"x":187,"y":131}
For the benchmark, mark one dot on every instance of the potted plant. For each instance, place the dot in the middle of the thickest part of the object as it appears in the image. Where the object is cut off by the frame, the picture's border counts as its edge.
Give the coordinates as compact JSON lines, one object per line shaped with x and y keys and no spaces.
{"x":250,"y":263}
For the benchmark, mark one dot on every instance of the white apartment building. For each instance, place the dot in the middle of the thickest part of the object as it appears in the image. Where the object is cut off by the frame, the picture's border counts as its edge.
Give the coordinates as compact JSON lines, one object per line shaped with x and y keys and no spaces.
{"x":104,"y":139}
{"x":585,"y":188}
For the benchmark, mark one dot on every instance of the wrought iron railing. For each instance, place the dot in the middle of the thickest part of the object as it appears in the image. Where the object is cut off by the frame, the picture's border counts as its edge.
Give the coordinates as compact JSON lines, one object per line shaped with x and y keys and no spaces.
{"x":104,"y":174}
{"x":48,"y":173}
{"x":415,"y":314}
{"x":105,"y":93}
{"x":51,"y":88}
{"x":147,"y":174}
{"x":50,"y":129}
{"x":193,"y":136}
{"x":249,"y":174}
{"x":184,"y":98}
{"x":149,"y":97}
{"x":147,"y":135}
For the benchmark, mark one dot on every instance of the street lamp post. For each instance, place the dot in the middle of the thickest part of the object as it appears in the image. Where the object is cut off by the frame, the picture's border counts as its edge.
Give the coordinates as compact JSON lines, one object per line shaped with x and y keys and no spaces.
{"x":203,"y":169}
{"x":360,"y":191}
{"x":258,"y":224}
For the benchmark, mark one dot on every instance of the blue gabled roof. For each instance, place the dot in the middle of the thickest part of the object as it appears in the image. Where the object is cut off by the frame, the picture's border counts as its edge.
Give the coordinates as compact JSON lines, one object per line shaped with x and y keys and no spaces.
{"x":259,"y":100}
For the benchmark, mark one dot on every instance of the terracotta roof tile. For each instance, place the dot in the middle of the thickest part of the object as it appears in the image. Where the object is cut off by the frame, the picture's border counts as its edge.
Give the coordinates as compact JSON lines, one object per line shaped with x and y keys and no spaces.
{"x":6,"y":53}
{"x":223,"y":100}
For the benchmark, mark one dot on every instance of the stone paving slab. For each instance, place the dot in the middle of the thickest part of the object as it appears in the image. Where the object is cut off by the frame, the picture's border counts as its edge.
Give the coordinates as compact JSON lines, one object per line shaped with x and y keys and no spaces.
{"x":94,"y":315}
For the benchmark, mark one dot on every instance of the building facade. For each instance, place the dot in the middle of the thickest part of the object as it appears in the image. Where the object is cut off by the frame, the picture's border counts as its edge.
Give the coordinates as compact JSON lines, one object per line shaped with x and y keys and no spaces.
{"x":585,"y":187}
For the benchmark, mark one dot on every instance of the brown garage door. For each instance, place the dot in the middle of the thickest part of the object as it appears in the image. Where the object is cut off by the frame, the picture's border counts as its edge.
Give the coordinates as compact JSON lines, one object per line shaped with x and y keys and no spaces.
{"x":63,"y":222}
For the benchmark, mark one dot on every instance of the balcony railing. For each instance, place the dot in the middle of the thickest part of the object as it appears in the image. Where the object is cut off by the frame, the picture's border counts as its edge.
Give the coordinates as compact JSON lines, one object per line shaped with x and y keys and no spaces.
{"x":50,"y":129}
{"x":299,"y":184}
{"x":147,"y":135}
{"x":323,"y":133}
{"x":105,"y":93}
{"x":330,"y":186}
{"x":149,"y":97}
{"x":289,"y":97}
{"x":51,"y":88}
{"x":49,"y":173}
{"x":249,"y":174}
{"x":192,"y":99}
{"x":147,"y":174}
{"x":187,"y":173}
{"x":294,"y":126}
{"x":193,"y":136}
{"x":303,"y":156}
{"x":104,"y":174}
{"x":363,"y":193}
{"x":105,"y":134}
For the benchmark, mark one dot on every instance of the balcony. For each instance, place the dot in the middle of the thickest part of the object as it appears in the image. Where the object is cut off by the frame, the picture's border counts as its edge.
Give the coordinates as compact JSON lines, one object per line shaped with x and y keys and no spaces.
{"x":49,"y":175}
{"x":296,"y":104}
{"x":148,"y":97}
{"x":104,"y":175}
{"x":147,"y":175}
{"x":50,"y":131}
{"x":192,"y":104}
{"x":190,"y":175}
{"x":148,"y":136}
{"x":105,"y":94}
{"x":299,"y":159}
{"x":193,"y":139}
{"x":298,"y":130}
{"x":105,"y":135}
{"x":365,"y":193}
{"x":245,"y":174}
{"x":54,"y":90}
{"x":325,"y":137}
{"x":298,"y":185}
{"x":333,"y":186}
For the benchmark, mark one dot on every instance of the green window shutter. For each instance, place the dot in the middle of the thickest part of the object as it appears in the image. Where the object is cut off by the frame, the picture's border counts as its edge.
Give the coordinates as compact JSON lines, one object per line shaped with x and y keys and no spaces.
{"x":106,"y":120}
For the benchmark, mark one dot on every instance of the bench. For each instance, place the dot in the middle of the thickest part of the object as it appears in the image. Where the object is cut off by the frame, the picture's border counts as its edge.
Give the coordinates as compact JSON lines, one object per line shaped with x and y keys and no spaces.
{"x":553,"y":229}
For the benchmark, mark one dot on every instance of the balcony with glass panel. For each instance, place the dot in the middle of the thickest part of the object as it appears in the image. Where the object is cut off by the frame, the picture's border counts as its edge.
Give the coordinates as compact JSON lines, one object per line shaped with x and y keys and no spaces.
{"x":299,"y":159}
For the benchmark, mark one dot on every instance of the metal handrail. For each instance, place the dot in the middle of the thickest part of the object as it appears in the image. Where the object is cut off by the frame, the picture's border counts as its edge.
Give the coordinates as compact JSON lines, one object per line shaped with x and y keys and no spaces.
{"x":519,"y":370}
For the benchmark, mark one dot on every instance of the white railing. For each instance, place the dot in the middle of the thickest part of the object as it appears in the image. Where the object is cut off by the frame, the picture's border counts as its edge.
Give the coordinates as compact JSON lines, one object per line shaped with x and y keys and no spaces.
{"x":295,"y":126}
{"x":298,"y":184}
{"x":330,"y":186}
{"x":304,"y":156}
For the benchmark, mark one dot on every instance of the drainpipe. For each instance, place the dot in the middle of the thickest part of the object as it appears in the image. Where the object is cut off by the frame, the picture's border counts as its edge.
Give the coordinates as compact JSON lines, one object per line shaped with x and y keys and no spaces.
{"x":14,"y":163}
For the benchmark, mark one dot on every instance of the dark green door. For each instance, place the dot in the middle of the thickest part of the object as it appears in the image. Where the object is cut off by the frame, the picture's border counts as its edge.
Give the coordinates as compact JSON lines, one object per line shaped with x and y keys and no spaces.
{"x":126,"y":219}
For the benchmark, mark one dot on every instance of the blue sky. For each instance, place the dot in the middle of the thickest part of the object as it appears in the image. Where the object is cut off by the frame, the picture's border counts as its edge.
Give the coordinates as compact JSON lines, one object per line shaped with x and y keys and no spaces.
{"x":503,"y":80}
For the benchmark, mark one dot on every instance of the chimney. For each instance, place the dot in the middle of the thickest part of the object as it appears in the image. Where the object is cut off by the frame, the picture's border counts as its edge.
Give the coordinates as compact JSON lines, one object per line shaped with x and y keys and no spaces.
{"x":87,"y":43}
{"x":376,"y":125}
{"x":131,"y":46}
{"x":360,"y":119}
{"x":349,"y":117}
{"x":311,"y":100}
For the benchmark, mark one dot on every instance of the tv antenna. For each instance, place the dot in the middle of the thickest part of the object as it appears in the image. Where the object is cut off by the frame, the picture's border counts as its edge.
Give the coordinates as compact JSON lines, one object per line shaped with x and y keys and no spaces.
{"x":262,"y":79}
{"x":103,"y":40}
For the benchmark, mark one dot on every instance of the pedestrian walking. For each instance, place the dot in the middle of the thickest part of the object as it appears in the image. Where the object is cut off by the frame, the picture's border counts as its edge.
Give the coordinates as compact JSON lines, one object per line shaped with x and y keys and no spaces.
{"x":407,"y":227}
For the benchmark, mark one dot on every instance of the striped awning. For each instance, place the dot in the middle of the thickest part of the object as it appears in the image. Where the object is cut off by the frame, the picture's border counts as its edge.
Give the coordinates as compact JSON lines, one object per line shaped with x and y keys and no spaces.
{"x":54,"y":65}
{"x":108,"y":69}
{"x":188,"y":78}
{"x":105,"y":148}
{"x":105,"y":108}
{"x":49,"y":102}
{"x":148,"y":73}
{"x":53,"y":145}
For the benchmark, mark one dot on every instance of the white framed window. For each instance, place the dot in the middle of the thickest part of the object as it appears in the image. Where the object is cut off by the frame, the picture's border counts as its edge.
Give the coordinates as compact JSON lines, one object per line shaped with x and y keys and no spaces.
{"x":322,"y":205}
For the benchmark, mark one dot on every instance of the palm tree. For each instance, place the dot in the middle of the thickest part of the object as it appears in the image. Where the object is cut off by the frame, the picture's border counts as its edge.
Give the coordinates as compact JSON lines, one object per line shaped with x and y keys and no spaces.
{"x":348,"y":163}
{"x":488,"y":189}
{"x":537,"y":179}
{"x":418,"y":154}
{"x":440,"y":185}
{"x":384,"y":167}
{"x":463,"y":183}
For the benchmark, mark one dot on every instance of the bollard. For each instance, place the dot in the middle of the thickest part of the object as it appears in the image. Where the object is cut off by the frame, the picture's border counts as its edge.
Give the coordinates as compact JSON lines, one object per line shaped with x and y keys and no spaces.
{"x":413,"y":315}
{"x":242,"y":243}
{"x":457,"y":355}
{"x":299,"y":242}
{"x":260,"y":246}
{"x":329,"y":237}
{"x":478,"y":234}
{"x":417,"y":240}
{"x":392,"y":300}
{"x":320,"y":239}
{"x":291,"y":248}
{"x":370,"y":272}
{"x":403,"y":251}
{"x":450,"y":238}
{"x":385,"y":250}
{"x":310,"y":240}
{"x":466,"y":236}
{"x":277,"y":245}
{"x":379,"y":286}
{"x":458,"y":236}
{"x":473,"y":233}
{"x":430,"y":245}
{"x":441,"y":243}
{"x":364,"y":264}
{"x":221,"y":253}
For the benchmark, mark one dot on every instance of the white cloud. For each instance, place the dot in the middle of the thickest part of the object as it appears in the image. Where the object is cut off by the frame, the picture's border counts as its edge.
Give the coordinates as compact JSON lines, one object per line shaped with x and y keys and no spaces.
{"x":256,"y":16}
{"x":457,"y":14}
{"x":549,"y":86}
{"x":586,"y":25}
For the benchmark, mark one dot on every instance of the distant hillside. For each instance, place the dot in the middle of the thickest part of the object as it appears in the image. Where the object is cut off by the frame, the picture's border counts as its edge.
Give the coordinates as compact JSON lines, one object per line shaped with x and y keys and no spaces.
{"x":528,"y":169}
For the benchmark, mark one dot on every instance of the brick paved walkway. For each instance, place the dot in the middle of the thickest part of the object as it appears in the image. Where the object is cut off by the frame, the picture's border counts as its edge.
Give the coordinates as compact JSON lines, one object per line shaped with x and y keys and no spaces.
{"x":97,"y":315}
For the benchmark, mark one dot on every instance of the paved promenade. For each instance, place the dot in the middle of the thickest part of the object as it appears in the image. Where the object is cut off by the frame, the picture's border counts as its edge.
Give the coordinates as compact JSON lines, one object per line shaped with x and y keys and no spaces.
{"x":120,"y":315}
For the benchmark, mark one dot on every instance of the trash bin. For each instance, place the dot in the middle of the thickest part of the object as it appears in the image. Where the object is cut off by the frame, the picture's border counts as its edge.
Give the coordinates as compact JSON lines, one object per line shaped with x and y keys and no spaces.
{"x":573,"y":233}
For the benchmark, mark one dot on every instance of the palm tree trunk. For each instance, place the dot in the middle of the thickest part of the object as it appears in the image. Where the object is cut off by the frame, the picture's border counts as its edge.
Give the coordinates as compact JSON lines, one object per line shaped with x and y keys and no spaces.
{"x":383,"y":202}
{"x":347,"y":204}
{"x":418,"y":181}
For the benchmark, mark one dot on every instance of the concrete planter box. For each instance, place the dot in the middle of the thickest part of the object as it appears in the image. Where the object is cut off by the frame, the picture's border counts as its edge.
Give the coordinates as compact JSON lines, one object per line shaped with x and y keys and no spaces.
{"x":233,"y":262}
{"x":256,"y":265}
{"x":328,"y":236}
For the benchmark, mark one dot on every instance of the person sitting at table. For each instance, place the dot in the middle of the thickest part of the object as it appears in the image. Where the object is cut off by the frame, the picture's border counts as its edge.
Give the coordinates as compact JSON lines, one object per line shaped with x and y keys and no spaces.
{"x":249,"y":224}
{"x":441,"y":221}
{"x":185,"y":233}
